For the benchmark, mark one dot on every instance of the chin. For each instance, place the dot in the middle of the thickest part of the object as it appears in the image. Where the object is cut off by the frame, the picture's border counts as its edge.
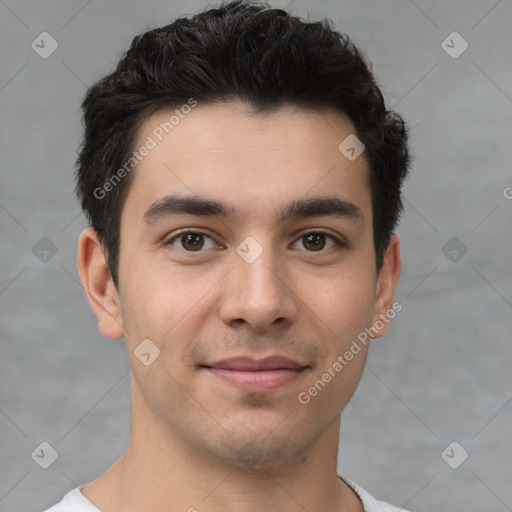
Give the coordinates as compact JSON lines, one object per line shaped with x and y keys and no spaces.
{"x":261,"y":448}
{"x":253,"y":456}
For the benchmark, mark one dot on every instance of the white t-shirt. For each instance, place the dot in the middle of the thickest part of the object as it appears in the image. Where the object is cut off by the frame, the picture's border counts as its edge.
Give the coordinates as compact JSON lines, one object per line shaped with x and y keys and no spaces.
{"x":75,"y":501}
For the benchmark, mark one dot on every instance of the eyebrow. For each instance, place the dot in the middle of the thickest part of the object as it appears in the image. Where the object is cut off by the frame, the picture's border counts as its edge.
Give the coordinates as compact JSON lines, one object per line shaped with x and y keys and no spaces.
{"x":330,"y":206}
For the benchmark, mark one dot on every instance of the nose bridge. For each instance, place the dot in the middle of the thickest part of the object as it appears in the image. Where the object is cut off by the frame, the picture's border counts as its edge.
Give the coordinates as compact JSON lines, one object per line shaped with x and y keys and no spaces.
{"x":257,"y":290}
{"x":261,"y":275}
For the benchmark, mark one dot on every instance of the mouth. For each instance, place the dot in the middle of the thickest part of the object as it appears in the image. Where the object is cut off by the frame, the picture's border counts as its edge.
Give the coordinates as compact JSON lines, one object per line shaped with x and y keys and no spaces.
{"x":257,"y":376}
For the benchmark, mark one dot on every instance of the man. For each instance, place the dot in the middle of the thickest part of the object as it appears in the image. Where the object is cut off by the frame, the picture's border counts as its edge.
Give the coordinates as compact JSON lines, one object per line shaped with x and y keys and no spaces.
{"x":242,"y":179}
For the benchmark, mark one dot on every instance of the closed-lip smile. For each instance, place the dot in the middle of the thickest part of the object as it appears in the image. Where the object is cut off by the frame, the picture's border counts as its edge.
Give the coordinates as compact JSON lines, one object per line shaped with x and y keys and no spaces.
{"x":256,"y":375}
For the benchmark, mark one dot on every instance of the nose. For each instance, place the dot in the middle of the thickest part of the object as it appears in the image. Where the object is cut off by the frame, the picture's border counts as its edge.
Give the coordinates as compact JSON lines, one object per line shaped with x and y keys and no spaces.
{"x":258,"y":294}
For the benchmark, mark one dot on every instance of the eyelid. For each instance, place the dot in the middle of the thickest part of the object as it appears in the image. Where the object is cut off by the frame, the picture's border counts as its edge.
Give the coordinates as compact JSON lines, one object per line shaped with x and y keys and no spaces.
{"x":340,"y":239}
{"x":340,"y":242}
{"x":185,"y":231}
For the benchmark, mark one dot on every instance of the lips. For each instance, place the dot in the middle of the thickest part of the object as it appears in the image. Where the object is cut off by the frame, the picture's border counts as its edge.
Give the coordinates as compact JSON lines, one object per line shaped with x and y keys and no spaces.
{"x":248,"y":364}
{"x":252,"y":375}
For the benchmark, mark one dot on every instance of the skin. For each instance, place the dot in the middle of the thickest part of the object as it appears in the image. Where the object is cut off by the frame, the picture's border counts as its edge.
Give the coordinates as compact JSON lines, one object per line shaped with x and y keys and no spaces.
{"x":197,"y":441}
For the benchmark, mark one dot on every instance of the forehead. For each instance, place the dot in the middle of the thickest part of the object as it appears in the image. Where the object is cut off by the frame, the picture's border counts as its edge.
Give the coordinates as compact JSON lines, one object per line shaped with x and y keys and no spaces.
{"x":225,"y":152}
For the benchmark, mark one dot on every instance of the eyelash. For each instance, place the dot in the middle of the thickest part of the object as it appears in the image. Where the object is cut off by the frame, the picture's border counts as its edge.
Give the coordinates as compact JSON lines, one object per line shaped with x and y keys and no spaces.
{"x":339,"y":243}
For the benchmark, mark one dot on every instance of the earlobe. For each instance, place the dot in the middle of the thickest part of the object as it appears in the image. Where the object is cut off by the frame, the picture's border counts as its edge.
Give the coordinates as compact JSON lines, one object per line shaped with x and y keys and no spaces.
{"x":98,"y":286}
{"x":386,"y":286}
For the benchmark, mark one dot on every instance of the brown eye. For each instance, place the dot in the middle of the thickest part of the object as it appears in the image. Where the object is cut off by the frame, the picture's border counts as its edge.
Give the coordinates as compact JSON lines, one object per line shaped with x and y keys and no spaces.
{"x":315,"y":241}
{"x":190,"y":241}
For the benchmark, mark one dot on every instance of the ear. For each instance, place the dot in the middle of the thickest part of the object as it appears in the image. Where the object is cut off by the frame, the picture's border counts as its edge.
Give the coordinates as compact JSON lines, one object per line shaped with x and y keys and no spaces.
{"x":386,"y":285}
{"x":98,"y":285}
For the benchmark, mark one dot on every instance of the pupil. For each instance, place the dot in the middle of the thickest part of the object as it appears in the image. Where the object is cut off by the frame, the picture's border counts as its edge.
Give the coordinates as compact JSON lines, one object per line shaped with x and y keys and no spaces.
{"x":315,"y":238}
{"x":192,"y":238}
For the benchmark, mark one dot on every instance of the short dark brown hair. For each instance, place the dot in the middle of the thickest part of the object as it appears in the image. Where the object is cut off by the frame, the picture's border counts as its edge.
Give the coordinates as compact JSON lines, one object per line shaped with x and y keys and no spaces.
{"x":239,"y":51}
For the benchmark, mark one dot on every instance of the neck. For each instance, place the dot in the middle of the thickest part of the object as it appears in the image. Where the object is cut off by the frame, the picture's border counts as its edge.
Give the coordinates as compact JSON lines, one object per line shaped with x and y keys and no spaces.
{"x":162,"y":471}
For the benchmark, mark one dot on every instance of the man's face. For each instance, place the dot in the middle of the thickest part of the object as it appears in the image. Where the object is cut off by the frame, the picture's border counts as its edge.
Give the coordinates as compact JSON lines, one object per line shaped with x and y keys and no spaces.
{"x":249,"y":286}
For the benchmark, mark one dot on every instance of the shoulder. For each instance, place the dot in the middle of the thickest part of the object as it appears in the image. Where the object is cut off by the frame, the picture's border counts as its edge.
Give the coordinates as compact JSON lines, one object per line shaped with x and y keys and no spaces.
{"x":371,"y":504}
{"x":73,"y":501}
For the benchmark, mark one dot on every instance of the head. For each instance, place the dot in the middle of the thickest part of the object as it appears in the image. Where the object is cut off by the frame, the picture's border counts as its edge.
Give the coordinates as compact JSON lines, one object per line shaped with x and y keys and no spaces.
{"x":293,"y":251}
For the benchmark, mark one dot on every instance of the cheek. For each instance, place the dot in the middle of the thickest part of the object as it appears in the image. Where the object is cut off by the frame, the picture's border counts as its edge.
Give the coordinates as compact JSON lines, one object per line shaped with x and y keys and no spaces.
{"x":165,"y":306}
{"x":342,"y":301}
{"x":153,"y":297}
{"x":328,"y":392}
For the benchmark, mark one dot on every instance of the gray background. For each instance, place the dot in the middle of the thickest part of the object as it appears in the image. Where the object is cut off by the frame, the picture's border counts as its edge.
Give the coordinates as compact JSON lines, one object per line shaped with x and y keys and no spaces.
{"x":441,"y":374}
